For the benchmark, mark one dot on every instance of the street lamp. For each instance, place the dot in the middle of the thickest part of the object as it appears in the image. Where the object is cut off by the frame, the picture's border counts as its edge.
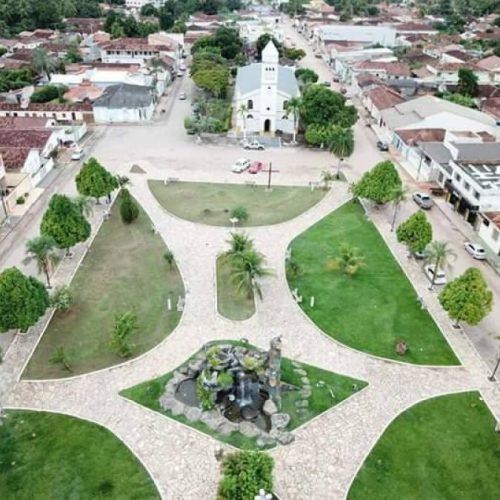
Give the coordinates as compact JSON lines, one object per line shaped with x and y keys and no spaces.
{"x":492,"y":378}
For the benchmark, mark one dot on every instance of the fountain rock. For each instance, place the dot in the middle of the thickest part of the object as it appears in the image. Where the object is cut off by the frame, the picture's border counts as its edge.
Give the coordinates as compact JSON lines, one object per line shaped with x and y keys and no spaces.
{"x":248,"y":429}
{"x":282,"y":437}
{"x":212,"y":419}
{"x":193,"y":414}
{"x":300,"y":372}
{"x":226,"y":428}
{"x":265,"y":440}
{"x":269,"y":407}
{"x":306,"y":392}
{"x":280,"y":420}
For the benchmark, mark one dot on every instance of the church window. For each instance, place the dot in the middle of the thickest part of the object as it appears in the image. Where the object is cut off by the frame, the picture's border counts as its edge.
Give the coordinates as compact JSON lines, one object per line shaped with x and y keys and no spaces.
{"x":250,"y":104}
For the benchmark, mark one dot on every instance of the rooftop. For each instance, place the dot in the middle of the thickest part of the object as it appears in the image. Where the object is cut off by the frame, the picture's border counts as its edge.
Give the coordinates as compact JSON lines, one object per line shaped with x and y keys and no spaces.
{"x":248,"y":79}
{"x":135,"y":44}
{"x":24,"y":138}
{"x":125,"y":96}
{"x":418,"y":135}
{"x":491,"y":63}
{"x":14,"y":158}
{"x":17,"y":122}
{"x":383,"y":97}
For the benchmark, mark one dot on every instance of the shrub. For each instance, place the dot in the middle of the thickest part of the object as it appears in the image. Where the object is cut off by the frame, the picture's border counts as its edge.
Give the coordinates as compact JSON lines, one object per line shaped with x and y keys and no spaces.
{"x":59,"y":358}
{"x":48,"y":93}
{"x":205,"y":396}
{"x":21,"y":200}
{"x":62,"y":298}
{"x":129,"y":211}
{"x":169,"y":258}
{"x":240,"y":213}
{"x":243,"y":474}
{"x":125,"y":325}
{"x":225,"y":380}
{"x":293,"y":269}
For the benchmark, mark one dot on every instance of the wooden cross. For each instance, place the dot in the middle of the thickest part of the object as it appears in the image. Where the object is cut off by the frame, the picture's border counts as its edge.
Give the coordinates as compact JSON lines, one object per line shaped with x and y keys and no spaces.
{"x":269,"y":171}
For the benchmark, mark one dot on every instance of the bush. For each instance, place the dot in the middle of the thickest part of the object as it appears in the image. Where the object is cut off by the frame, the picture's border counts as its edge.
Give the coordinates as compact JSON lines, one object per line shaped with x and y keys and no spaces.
{"x":62,"y":298}
{"x":129,"y":211}
{"x":244,"y":474}
{"x":239,"y":213}
{"x":21,"y":200}
{"x":125,"y":326}
{"x":205,"y":396}
{"x":48,"y":93}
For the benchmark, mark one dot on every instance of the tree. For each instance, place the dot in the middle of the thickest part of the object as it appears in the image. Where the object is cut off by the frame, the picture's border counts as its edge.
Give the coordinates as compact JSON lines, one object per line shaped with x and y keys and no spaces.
{"x":62,"y":298}
{"x":467,"y":82}
{"x":238,"y":243}
{"x":240,"y":213}
{"x":23,"y":300}
{"x":94,"y":180}
{"x":214,"y":80}
{"x":415,"y":232}
{"x":42,"y":63}
{"x":125,"y":326}
{"x":318,"y":135}
{"x":263,"y":40}
{"x":439,"y":254}
{"x":48,"y":93}
{"x":129,"y":211}
{"x":59,"y":358}
{"x":467,"y":298}
{"x":293,"y":106}
{"x":169,"y":258}
{"x":378,"y":184}
{"x":326,"y":178}
{"x":348,"y":262}
{"x":84,"y":203}
{"x":398,"y":196}
{"x":246,"y":269}
{"x":306,"y":76}
{"x":242,"y":111}
{"x":64,"y":222}
{"x":42,"y":250}
{"x":341,"y":144}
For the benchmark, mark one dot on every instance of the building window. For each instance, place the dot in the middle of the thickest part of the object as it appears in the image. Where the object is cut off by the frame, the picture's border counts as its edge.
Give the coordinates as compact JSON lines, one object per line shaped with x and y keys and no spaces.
{"x":268,"y":108}
{"x":249,"y":117}
{"x":458,"y":177}
{"x":285,"y":104}
{"x":250,"y":104}
{"x":476,"y":195}
{"x":486,"y":222}
{"x":440,"y":177}
{"x":494,"y":235}
{"x":466,"y":185}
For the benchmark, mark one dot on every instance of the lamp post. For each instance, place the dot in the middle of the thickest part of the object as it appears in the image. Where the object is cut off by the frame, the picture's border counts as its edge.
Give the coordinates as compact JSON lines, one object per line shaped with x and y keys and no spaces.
{"x":492,"y":378}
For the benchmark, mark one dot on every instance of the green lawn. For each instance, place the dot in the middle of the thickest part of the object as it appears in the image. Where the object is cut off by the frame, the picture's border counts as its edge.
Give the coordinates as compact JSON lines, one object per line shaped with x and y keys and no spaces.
{"x":443,"y":448}
{"x":230,"y":303}
{"x":212,"y":203}
{"x":372,"y":310}
{"x":52,"y":456}
{"x":124,"y":270}
{"x":335,"y":389}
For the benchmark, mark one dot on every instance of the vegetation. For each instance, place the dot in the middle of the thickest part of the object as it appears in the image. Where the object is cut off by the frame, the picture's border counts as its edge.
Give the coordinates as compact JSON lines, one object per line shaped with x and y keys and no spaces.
{"x":119,"y":24}
{"x":398,"y":196}
{"x":239,"y":213}
{"x":44,"y":64}
{"x":294,"y":106}
{"x":125,"y":326}
{"x":129,"y":211}
{"x":23,"y":300}
{"x":439,"y":255}
{"x":378,"y":184}
{"x":467,"y":82}
{"x":59,"y":357}
{"x":415,"y":232}
{"x":64,"y":222}
{"x":123,"y":271}
{"x":42,"y":250}
{"x":372,"y":311}
{"x":13,"y":79}
{"x":49,"y":93}
{"x":209,"y":115}
{"x":211,"y":203}
{"x":244,"y":474}
{"x":444,"y":448}
{"x":305,"y":76}
{"x":94,"y":180}
{"x":48,"y":455}
{"x":341,"y":144}
{"x":62,"y":298}
{"x":287,"y":52}
{"x":348,"y":262}
{"x":467,"y":298}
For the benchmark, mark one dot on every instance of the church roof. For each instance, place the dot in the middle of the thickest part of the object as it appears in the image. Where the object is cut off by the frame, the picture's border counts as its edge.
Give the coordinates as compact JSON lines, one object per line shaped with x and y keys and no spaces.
{"x":248,"y":79}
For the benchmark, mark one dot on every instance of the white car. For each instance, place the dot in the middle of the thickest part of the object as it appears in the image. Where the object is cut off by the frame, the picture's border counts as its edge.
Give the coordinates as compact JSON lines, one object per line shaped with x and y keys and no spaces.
{"x":440,"y":278}
{"x":253,"y":145}
{"x":241,"y":165}
{"x":477,"y":251}
{"x":77,"y":154}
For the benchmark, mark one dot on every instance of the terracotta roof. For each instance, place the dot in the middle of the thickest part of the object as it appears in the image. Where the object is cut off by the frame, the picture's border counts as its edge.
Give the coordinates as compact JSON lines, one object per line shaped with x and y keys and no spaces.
{"x":414,"y":27}
{"x":491,"y":63}
{"x":367,"y":79}
{"x":8,"y":42}
{"x":24,"y":138}
{"x":391,"y":68}
{"x":492,"y":107}
{"x":14,"y":158}
{"x":414,"y":136}
{"x":21,"y":122}
{"x":39,"y":106}
{"x":22,"y":55}
{"x":459,"y":54}
{"x":9,"y":63}
{"x":383,"y":97}
{"x":137,"y":44}
{"x":84,"y":91}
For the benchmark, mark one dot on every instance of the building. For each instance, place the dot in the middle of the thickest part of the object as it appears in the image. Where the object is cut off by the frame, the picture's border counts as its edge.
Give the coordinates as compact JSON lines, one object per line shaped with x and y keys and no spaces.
{"x":66,"y":113}
{"x":368,"y":35}
{"x":138,"y":4}
{"x":132,"y":51}
{"x":124,"y":103}
{"x":263,"y":89}
{"x":489,"y":231}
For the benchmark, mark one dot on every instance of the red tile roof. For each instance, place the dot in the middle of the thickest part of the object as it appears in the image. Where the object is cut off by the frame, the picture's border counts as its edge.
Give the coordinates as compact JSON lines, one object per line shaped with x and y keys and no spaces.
{"x":38,"y":106}
{"x":14,"y":158}
{"x":414,"y":136}
{"x":24,"y":138}
{"x":383,"y":97}
{"x":22,"y":122}
{"x":136,"y":44}
{"x":391,"y":68}
{"x":489,"y":63}
{"x":414,"y":27}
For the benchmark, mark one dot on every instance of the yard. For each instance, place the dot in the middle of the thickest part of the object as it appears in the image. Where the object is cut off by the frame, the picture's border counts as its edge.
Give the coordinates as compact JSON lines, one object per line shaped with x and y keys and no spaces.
{"x":47,"y":455}
{"x":123,"y":271}
{"x":443,"y":448}
{"x":212,"y":204}
{"x":372,"y":310}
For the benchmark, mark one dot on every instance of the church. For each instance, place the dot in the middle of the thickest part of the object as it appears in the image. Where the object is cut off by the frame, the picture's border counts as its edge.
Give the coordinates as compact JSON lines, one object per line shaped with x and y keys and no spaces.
{"x":261,"y":93}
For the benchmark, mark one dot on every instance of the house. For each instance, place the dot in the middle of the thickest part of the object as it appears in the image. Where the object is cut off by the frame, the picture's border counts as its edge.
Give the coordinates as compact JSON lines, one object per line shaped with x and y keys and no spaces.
{"x":132,"y":50}
{"x":489,"y":230}
{"x":343,"y":58}
{"x":264,"y":90}
{"x":381,"y":69}
{"x":380,"y":98}
{"x":81,"y":112}
{"x":124,"y":103}
{"x":368,"y":35}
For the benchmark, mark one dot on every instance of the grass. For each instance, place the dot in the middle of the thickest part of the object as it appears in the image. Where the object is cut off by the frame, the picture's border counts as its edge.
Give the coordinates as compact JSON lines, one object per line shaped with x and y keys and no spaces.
{"x":44,"y":455}
{"x":372,"y":310}
{"x":230,"y":303}
{"x":124,"y":270}
{"x":212,"y":203}
{"x":443,"y":448}
{"x":336,"y":388}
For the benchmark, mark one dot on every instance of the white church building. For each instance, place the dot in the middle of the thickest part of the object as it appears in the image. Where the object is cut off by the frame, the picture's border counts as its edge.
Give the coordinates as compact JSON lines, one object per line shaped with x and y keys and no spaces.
{"x":262,"y":90}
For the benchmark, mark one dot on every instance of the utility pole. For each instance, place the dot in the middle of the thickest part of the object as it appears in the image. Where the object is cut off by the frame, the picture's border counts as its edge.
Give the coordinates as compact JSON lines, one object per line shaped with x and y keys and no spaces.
{"x":269,"y":171}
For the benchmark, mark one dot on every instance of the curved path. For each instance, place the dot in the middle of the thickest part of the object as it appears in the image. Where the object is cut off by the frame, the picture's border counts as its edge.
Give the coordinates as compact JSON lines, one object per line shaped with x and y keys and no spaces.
{"x":327,"y":452}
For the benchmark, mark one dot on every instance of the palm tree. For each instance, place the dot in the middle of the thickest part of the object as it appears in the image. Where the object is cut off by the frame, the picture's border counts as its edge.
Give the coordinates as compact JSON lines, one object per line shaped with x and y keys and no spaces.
{"x":439,"y":254}
{"x":349,"y":261}
{"x":238,"y":243}
{"x":294,"y":105}
{"x":341,"y":144}
{"x":43,"y":251}
{"x":398,"y":196}
{"x":242,"y":111}
{"x":84,"y":203}
{"x":326,"y":178}
{"x":41,"y":62}
{"x":246,"y":269}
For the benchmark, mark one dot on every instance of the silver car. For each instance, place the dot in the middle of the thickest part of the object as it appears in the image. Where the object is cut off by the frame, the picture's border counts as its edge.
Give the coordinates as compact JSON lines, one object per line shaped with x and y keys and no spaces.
{"x":477,"y":251}
{"x":423,"y":200}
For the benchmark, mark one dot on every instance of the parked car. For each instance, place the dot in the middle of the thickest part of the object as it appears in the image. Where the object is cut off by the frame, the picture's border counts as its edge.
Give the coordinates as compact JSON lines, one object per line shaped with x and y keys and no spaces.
{"x":317,"y":55}
{"x":382,"y":146}
{"x":421,"y":254}
{"x":182,"y":96}
{"x":240,"y":165}
{"x":440,"y":278}
{"x":477,"y":251}
{"x":423,"y":200}
{"x":255,"y":167}
{"x":255,"y":144}
{"x":326,"y":83}
{"x":77,"y":154}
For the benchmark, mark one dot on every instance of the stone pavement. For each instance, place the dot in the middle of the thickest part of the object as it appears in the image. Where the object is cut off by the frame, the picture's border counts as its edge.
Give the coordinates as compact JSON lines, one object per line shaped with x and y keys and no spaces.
{"x":328,"y":451}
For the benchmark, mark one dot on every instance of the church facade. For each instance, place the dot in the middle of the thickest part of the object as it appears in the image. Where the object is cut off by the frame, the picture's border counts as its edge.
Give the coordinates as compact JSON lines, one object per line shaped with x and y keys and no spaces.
{"x":261,"y":93}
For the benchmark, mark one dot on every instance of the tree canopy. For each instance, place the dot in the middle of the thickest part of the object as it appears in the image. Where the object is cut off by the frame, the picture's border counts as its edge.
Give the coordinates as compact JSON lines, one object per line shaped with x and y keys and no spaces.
{"x":64,"y":221}
{"x":415,"y":232}
{"x":467,"y":298}
{"x":467,"y":82}
{"x":306,"y":76}
{"x":379,"y":183}
{"x":23,"y":300}
{"x":94,"y":180}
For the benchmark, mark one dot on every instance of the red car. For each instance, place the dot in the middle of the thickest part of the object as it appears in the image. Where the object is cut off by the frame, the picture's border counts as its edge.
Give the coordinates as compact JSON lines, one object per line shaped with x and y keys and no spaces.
{"x":255,"y":167}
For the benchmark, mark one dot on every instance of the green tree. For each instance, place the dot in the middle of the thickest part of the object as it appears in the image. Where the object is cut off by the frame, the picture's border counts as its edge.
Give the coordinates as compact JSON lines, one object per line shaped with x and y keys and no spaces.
{"x":306,"y":76}
{"x":242,"y":111}
{"x":42,"y":63}
{"x":62,"y":298}
{"x":59,"y":358}
{"x":23,"y":300}
{"x":293,"y":106}
{"x":263,"y":40}
{"x":247,"y":268}
{"x":125,"y":326}
{"x":378,"y":184}
{"x":349,"y":261}
{"x":341,"y":144}
{"x":240,"y":213}
{"x":42,"y":250}
{"x":318,"y":135}
{"x":398,"y":196}
{"x":213,"y":80}
{"x":84,"y":203}
{"x":64,"y":222}
{"x":169,"y":258}
{"x":415,"y":232}
{"x":439,"y":254}
{"x":94,"y":180}
{"x":467,"y":82}
{"x":467,"y":298}
{"x":129,"y":211}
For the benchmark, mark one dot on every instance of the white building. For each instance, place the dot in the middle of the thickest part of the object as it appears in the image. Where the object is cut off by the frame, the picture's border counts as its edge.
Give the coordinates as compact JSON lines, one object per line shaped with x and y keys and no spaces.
{"x":133,"y":51}
{"x":137,"y":4}
{"x":368,"y":35}
{"x":264,"y":89}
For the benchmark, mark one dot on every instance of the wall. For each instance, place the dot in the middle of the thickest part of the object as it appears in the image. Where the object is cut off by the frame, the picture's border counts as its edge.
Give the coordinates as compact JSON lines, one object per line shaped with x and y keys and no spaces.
{"x":486,"y":233}
{"x":105,"y":115}
{"x":19,"y":184}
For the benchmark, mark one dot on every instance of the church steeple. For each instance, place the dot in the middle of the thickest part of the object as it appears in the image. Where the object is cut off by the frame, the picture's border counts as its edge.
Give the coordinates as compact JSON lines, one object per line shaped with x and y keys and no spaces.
{"x":270,"y":54}
{"x":270,"y":60}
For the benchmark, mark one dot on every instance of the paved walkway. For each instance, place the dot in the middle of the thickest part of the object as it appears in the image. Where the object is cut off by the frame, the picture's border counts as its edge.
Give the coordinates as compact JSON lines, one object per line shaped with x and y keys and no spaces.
{"x":328,"y":451}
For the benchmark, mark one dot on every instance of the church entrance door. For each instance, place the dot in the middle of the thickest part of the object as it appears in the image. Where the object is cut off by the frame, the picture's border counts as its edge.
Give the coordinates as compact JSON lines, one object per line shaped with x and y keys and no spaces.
{"x":267,"y":125}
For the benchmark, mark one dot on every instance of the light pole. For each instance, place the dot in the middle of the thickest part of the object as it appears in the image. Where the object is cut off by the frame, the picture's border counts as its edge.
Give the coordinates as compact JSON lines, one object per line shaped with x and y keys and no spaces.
{"x":492,"y":378}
